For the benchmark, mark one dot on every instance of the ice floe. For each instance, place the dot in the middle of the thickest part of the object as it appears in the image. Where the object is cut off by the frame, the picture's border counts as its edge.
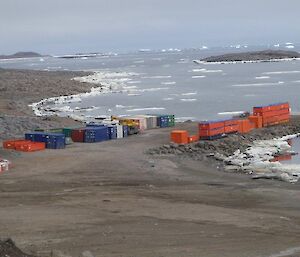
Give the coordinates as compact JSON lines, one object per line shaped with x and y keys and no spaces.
{"x":134,"y":82}
{"x":198,"y":77}
{"x":146,"y":109}
{"x":259,"y":84}
{"x":262,"y":77}
{"x":280,"y":72}
{"x":168,"y":83}
{"x":106,"y":82}
{"x":188,"y":99}
{"x":150,"y":89}
{"x":189,"y":93}
{"x":256,"y":160}
{"x":231,"y":113}
{"x":206,"y":71}
{"x":158,"y":77}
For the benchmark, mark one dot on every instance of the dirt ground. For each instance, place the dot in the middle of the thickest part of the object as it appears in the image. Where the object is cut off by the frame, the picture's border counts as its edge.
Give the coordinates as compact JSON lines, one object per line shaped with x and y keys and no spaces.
{"x":113,"y":200}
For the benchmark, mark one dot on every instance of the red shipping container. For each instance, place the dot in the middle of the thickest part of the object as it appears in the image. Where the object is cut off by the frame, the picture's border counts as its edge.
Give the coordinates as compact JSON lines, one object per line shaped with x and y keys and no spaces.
{"x":230,"y":122}
{"x":11,"y":144}
{"x":77,"y":135}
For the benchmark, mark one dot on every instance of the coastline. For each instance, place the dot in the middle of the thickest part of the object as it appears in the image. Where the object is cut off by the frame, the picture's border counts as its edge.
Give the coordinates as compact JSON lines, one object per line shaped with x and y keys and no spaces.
{"x":20,"y":88}
{"x":116,"y":196}
{"x":246,"y":61}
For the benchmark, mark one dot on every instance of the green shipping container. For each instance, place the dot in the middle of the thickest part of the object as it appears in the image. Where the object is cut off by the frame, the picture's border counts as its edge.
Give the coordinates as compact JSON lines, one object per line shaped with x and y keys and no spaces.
{"x":171,"y":120}
{"x":68,"y":131}
{"x":56,"y":130}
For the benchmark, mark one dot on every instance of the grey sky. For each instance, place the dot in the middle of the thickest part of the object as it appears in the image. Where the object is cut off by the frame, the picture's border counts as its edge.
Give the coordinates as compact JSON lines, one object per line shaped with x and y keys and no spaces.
{"x":69,"y":26}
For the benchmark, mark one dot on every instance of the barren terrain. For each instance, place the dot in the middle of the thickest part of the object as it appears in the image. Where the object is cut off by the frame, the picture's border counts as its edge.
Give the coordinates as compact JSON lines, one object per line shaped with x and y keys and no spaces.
{"x":112,"y":199}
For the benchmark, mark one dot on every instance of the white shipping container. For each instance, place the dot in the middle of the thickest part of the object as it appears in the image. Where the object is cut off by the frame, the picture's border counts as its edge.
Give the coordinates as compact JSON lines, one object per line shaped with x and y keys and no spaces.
{"x":119,"y":131}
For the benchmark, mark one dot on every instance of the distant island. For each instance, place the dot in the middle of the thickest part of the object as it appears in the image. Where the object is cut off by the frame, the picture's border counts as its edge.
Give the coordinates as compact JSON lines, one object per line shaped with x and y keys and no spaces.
{"x":83,"y":55}
{"x":21,"y":55}
{"x":256,"y":56}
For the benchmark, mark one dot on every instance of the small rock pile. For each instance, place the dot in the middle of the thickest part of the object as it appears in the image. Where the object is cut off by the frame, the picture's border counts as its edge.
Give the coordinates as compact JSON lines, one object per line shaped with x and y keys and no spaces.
{"x":226,"y":146}
{"x":9,"y":249}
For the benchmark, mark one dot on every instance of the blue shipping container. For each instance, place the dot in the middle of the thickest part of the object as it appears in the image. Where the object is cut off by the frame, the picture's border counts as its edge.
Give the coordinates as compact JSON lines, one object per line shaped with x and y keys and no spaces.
{"x":96,"y":134}
{"x":52,"y":140}
{"x":112,"y":132}
{"x":125,"y":130}
{"x":163,"y":121}
{"x":94,"y":125}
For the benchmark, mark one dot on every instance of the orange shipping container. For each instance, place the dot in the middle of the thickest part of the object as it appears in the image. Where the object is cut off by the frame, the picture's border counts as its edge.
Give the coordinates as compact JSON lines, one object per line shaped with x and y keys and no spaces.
{"x":231,"y":128}
{"x":211,"y":125}
{"x":257,"y":120}
{"x":211,"y":132}
{"x":31,"y":147}
{"x":179,"y":136}
{"x":193,"y":138}
{"x":11,"y":144}
{"x":272,"y":113}
{"x":245,"y":126}
{"x":273,"y":107}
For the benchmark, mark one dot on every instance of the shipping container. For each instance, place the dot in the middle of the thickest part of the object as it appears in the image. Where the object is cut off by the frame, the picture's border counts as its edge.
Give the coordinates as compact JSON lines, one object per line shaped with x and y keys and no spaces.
{"x":179,"y":137}
{"x":54,"y":141}
{"x":193,"y":138}
{"x":257,"y":120}
{"x":132,"y":130}
{"x":31,"y":146}
{"x":212,"y":137}
{"x":211,"y":132}
{"x":229,"y":129}
{"x":68,"y":141}
{"x":11,"y":144}
{"x":77,"y":135}
{"x":171,"y":120}
{"x":271,"y":107}
{"x":141,"y":122}
{"x":120,"y":133}
{"x":245,"y":126}
{"x":112,"y":131}
{"x":67,"y":131}
{"x":150,"y":120}
{"x":125,"y":130}
{"x":96,"y":134}
{"x":272,"y":113}
{"x":207,"y":125}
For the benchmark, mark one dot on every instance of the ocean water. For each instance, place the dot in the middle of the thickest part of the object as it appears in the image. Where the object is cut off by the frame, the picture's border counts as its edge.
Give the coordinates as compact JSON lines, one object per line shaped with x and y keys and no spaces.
{"x":170,"y":82}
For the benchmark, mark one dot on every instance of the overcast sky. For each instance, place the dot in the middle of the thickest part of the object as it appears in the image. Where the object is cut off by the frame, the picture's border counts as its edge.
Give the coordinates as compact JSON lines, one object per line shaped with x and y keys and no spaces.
{"x":71,"y":26}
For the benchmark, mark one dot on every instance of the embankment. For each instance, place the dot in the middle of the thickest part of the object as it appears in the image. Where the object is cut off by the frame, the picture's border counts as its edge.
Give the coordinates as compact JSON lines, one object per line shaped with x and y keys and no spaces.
{"x":19,"y":88}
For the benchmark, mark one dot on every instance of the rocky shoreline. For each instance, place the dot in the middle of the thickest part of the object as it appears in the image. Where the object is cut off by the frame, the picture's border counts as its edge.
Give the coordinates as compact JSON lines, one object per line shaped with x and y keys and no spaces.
{"x":20,"y":88}
{"x":222,"y":151}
